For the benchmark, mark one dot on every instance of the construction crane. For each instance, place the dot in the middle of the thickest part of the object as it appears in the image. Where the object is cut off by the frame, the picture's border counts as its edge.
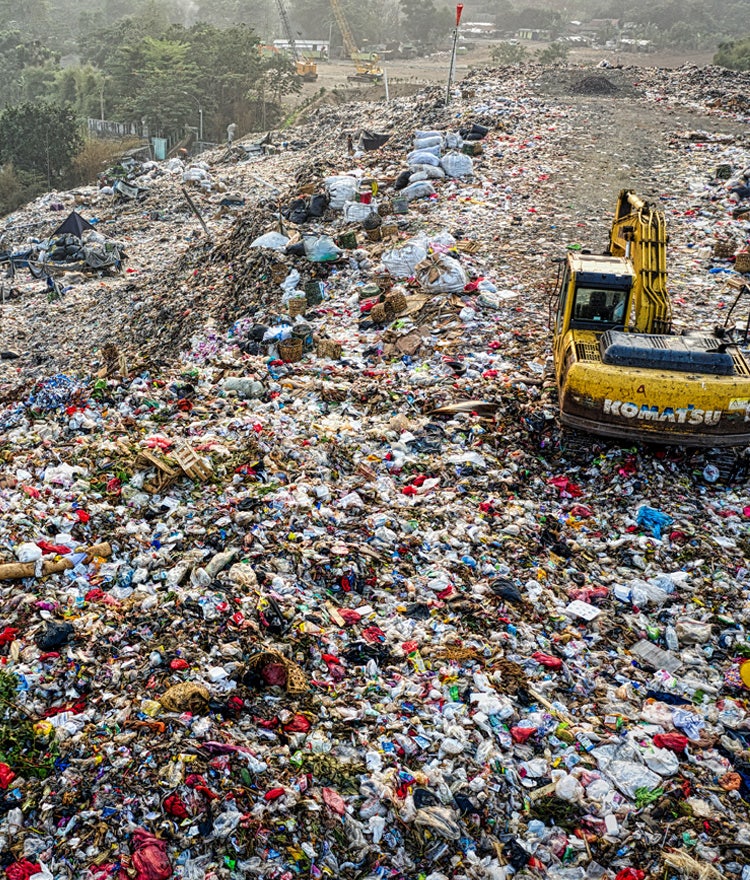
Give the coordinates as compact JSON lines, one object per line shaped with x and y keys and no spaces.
{"x":305,"y":68}
{"x":366,"y":65}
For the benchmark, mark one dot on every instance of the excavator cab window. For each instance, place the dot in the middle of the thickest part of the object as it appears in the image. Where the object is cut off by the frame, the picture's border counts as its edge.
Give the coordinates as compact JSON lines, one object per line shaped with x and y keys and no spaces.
{"x":595,"y":308}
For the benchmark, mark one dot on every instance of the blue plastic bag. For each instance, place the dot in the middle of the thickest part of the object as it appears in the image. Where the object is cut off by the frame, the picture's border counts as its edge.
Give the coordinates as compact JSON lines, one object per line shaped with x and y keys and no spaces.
{"x":654,"y":520}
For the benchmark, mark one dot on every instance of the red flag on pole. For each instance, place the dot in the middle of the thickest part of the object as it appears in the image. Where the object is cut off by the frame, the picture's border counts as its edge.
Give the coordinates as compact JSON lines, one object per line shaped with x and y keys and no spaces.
{"x":459,"y":10}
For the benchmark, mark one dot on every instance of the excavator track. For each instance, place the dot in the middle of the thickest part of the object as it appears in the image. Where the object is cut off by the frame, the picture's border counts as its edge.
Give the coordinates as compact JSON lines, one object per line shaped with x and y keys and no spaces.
{"x":724,"y":466}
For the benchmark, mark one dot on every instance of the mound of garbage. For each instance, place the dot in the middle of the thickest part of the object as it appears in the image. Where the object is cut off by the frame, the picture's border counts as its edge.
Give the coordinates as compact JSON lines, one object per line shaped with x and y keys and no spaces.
{"x":298,"y":574}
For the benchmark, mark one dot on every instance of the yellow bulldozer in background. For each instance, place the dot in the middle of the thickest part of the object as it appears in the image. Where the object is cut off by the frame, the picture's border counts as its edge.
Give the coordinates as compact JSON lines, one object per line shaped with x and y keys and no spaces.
{"x":620,"y":370}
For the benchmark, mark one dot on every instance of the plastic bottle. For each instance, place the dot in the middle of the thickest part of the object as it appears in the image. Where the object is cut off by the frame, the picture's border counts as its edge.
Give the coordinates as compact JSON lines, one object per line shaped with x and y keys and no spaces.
{"x":670,"y":637}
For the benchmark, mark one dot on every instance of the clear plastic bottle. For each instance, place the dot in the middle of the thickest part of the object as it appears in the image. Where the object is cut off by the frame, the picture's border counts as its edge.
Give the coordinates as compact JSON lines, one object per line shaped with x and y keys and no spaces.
{"x":670,"y":637}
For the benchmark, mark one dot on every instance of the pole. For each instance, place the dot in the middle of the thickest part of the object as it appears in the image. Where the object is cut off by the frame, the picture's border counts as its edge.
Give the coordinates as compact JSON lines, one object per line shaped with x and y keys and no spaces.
{"x":200,"y":129}
{"x":459,"y":10}
{"x":385,"y":81}
{"x":197,"y":213}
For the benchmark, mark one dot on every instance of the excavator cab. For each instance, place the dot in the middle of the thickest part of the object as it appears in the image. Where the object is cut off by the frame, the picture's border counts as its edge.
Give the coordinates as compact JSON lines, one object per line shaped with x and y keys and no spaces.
{"x":306,"y":69}
{"x":594,"y":294}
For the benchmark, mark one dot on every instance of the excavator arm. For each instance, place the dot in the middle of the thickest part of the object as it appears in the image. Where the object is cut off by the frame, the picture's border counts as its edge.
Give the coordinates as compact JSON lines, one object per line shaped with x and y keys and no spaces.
{"x":346,"y":32}
{"x":287,"y":28}
{"x":366,"y":69}
{"x":639,"y":234}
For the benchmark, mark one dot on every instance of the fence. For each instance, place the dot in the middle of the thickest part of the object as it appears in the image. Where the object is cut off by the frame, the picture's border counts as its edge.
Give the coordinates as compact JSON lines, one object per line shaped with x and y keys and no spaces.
{"x":105,"y":129}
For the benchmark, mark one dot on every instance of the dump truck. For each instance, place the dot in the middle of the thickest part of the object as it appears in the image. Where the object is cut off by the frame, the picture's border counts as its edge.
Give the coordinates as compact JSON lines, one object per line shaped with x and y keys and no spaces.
{"x":621,"y":371}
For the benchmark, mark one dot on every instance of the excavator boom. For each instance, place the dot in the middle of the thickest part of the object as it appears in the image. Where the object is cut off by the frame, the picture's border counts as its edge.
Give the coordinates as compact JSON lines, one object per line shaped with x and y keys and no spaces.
{"x":639,"y":233}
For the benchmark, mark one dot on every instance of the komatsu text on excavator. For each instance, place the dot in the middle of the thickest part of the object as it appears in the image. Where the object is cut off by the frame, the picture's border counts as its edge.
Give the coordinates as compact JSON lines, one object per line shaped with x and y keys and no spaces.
{"x":621,"y":371}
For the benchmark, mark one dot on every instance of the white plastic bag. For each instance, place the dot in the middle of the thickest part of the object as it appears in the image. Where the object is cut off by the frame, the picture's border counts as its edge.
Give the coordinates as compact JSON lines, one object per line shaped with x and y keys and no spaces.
{"x":430,"y":156}
{"x":457,"y":165}
{"x":402,"y":262}
{"x":433,"y":172}
{"x":661,"y":761}
{"x":28,"y":552}
{"x":442,"y":275}
{"x":340,"y":190}
{"x":321,"y":248}
{"x":273,"y":240}
{"x":356,"y":212}
{"x":290,"y":282}
{"x":629,"y":777}
{"x":424,"y":143}
{"x":418,"y":190}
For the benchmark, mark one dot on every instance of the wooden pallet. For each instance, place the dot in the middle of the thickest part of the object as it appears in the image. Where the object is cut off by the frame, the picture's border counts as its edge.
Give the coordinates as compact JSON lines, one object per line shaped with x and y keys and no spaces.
{"x":196,"y":467}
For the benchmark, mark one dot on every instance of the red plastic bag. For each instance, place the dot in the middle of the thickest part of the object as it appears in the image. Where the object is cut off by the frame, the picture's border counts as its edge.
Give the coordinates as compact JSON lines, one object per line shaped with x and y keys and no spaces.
{"x":22,"y":870}
{"x":337,"y":671}
{"x":675,"y":742}
{"x":6,"y":776}
{"x":174,"y":806}
{"x":334,"y":801}
{"x":273,"y":794}
{"x":630,"y":874}
{"x":150,"y":856}
{"x":582,"y":511}
{"x":521,"y":734}
{"x":8,"y":635}
{"x":298,"y":724}
{"x":547,"y":660}
{"x":566,"y":488}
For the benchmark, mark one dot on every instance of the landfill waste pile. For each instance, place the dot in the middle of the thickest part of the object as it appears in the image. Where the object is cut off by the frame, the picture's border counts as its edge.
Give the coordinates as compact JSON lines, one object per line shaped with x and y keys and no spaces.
{"x":298,"y":576}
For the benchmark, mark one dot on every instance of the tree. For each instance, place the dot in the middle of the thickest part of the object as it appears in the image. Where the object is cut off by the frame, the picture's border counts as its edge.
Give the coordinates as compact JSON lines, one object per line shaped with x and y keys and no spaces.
{"x":555,"y":53}
{"x":40,"y":138}
{"x":509,"y":53}
{"x":229,"y":64}
{"x":281,"y":76}
{"x":277,"y":80}
{"x":424,"y":23}
{"x":19,"y":56}
{"x":154,"y":79}
{"x":734,"y":55}
{"x":32,"y":16}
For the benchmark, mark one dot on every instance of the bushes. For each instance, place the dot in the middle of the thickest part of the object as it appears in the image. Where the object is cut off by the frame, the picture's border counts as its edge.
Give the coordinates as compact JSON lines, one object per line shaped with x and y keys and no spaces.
{"x":16,"y":188}
{"x":96,"y":156}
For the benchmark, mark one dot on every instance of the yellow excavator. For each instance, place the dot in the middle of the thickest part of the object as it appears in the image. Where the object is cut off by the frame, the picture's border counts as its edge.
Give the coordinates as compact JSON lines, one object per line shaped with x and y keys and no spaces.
{"x":621,"y":371}
{"x":366,"y":66}
{"x":305,"y":68}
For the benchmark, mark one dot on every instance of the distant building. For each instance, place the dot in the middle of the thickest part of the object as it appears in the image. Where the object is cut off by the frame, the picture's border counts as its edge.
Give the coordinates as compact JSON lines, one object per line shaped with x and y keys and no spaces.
{"x":534,"y":34}
{"x":309,"y":48}
{"x":601,"y":24}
